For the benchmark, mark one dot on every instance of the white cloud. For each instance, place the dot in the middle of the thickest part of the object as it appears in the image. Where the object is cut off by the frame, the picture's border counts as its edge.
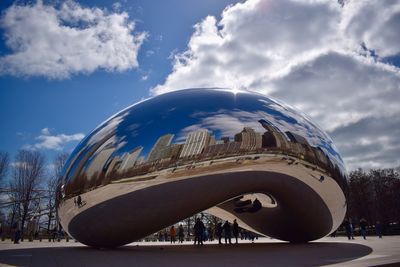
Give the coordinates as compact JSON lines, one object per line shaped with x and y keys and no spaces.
{"x":316,"y":55}
{"x":57,"y":41}
{"x":375,"y":24}
{"x":53,"y":142}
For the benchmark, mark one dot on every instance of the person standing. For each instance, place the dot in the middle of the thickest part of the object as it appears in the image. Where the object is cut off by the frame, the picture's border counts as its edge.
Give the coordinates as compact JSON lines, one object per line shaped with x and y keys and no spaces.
{"x":347,"y":228}
{"x":227,"y":232}
{"x":198,"y":232}
{"x":235,"y":230}
{"x":181,"y":233}
{"x":218,"y":232}
{"x":172,"y":234}
{"x":378,"y":229}
{"x":17,"y":232}
{"x":363,"y":227}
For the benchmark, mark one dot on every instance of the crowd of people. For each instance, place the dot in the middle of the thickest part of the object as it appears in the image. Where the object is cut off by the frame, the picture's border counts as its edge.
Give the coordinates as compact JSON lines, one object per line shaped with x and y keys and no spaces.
{"x":223,"y":232}
{"x":350,"y":228}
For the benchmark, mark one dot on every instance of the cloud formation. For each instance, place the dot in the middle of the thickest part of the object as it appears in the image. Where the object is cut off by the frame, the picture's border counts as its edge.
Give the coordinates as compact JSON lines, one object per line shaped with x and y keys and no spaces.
{"x":57,"y":41}
{"x":321,"y":57}
{"x":53,"y":142}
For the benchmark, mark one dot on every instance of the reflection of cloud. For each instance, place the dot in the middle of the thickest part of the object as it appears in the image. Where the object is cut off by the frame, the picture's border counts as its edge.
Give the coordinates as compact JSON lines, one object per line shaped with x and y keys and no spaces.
{"x":110,"y":126}
{"x":224,"y":122}
{"x":228,"y":123}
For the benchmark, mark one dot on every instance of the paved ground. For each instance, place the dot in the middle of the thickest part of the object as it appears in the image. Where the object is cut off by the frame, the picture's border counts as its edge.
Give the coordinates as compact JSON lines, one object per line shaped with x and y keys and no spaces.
{"x":264,"y":252}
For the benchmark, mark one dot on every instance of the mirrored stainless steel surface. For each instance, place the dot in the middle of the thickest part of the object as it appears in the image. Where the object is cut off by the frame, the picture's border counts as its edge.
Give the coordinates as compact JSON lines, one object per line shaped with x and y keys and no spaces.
{"x":235,"y":154}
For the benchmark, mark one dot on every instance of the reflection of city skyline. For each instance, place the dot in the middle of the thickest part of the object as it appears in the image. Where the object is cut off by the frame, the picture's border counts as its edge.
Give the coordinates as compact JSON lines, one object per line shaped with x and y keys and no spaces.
{"x":202,"y":145}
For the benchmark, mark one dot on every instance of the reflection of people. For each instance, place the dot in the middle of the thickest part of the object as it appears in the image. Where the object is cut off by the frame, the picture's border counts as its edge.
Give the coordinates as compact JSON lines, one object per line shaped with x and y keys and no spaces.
{"x":235,"y":230}
{"x":243,"y":206}
{"x":227,"y":232}
{"x":256,"y":206}
{"x":172,"y":233}
{"x":79,"y":201}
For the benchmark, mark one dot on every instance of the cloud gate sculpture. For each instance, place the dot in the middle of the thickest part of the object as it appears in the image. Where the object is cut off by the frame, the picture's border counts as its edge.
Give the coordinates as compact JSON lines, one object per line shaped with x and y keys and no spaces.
{"x":236,"y":155}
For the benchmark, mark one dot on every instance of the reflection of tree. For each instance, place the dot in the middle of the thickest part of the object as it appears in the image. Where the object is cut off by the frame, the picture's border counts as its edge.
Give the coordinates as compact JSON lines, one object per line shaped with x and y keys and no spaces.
{"x":52,"y":182}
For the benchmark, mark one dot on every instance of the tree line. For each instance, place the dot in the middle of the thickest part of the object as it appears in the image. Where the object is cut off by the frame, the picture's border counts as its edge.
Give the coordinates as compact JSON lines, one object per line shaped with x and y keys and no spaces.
{"x":27,"y":192}
{"x":375,"y":196}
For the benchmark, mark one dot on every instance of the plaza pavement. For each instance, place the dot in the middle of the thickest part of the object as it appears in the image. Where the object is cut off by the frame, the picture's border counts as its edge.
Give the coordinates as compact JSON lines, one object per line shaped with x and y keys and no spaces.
{"x":263,"y":252}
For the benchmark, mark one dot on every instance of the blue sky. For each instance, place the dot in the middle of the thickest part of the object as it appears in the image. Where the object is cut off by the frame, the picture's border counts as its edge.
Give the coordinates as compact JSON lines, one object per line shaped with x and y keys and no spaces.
{"x":81,"y":102}
{"x":67,"y":66}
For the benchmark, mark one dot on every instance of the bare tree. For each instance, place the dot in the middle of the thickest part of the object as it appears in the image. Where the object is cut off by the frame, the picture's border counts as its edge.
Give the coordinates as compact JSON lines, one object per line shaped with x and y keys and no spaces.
{"x":4,"y":164}
{"x":27,"y":172}
{"x":51,"y":184}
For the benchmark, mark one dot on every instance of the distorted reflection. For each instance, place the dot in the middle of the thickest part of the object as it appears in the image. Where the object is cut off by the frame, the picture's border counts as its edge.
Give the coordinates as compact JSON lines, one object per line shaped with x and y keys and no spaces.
{"x":194,"y":131}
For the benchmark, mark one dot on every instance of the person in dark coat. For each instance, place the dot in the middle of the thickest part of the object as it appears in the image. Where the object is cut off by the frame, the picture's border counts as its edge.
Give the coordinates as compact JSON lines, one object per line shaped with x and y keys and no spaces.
{"x":235,"y":230}
{"x":198,"y":232}
{"x":181,"y":233}
{"x":378,"y":229}
{"x":363,"y":227}
{"x":347,"y":228}
{"x":227,"y":232}
{"x":79,"y":201}
{"x":218,"y":232}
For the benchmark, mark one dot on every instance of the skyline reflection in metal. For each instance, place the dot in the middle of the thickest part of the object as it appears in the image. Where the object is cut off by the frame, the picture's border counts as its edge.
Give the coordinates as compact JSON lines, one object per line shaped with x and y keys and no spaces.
{"x":196,"y":133}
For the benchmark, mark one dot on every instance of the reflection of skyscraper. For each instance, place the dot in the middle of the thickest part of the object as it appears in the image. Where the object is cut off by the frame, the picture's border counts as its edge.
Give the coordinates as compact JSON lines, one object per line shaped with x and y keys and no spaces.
{"x":85,"y":154}
{"x":157,"y":150}
{"x":130,"y":159}
{"x":273,"y":137}
{"x":295,"y":138}
{"x":321,"y":156}
{"x":171,"y":152}
{"x":195,"y":143}
{"x":222,"y":149}
{"x":250,"y":140}
{"x":99,"y":160}
{"x":225,"y":139}
{"x":300,"y":145}
{"x":140,"y":160}
{"x":112,"y":165}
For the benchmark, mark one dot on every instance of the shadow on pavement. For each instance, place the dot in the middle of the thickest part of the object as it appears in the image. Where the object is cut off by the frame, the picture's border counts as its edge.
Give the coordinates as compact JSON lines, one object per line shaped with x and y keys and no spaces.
{"x":261,"y":254}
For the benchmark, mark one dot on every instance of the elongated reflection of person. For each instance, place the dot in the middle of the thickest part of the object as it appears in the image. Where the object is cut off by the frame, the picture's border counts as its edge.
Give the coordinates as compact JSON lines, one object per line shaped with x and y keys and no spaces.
{"x":198,"y":232}
{"x":227,"y":232}
{"x":79,"y":201}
